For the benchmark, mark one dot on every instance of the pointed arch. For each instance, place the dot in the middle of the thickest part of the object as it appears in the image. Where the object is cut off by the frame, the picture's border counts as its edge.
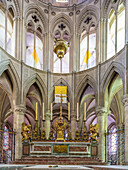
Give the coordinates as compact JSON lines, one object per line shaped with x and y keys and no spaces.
{"x":35,"y":78}
{"x":31,"y":9}
{"x":86,"y":80}
{"x":7,"y":65}
{"x":114,"y":67}
{"x":62,"y":81}
{"x":66,"y":19}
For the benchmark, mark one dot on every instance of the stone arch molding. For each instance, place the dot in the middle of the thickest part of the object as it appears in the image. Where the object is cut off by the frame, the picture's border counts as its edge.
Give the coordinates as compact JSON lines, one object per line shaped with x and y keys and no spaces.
{"x":61,"y":18}
{"x":61,"y":80}
{"x":38,"y":11}
{"x":86,"y":80}
{"x":88,"y":11}
{"x":35,"y":78}
{"x":8,"y":65}
{"x":114,"y":67}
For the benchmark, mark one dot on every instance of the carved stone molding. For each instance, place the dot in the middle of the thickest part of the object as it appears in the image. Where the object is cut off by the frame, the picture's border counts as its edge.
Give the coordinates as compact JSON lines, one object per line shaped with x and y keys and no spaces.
{"x":101,"y":111}
{"x":125,"y":100}
{"x":20,"y":109}
{"x":48,"y":115}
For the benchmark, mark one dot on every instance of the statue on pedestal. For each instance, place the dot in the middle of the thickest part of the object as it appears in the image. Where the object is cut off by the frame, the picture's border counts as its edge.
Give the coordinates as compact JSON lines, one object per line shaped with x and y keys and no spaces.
{"x":26,"y":132}
{"x":94,"y":132}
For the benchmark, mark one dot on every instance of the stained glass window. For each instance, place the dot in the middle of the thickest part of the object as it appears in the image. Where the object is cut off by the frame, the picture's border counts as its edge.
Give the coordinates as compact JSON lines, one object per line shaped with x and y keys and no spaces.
{"x":120,"y":27}
{"x":2,"y":29}
{"x":92,"y":50}
{"x":61,"y":66}
{"x":34,"y":57}
{"x":83,"y":50}
{"x":111,"y":35}
{"x":6,"y":139}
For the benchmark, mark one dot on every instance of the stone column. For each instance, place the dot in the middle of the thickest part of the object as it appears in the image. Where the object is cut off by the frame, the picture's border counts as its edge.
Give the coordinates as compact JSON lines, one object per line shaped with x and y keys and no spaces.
{"x":126,"y":22}
{"x":73,"y":125}
{"x":120,"y":143}
{"x":47,"y":124}
{"x":101,"y":115}
{"x":18,"y":119}
{"x":125,"y":102}
{"x":116,"y":13}
{"x":6,"y":28}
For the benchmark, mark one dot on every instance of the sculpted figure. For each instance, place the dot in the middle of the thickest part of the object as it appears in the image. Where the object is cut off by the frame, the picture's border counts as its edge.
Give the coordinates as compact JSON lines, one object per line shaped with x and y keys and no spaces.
{"x":25,"y":131}
{"x":94,"y":132}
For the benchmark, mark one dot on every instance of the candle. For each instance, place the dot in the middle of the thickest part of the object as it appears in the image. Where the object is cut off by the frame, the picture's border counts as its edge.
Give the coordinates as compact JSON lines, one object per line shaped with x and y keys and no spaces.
{"x":68,"y":111}
{"x":36,"y":109}
{"x":84,"y":111}
{"x":43,"y":111}
{"x":77,"y":110}
{"x":51,"y":111}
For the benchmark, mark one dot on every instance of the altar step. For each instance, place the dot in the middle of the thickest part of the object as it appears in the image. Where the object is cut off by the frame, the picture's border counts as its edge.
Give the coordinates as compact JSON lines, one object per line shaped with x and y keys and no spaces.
{"x":56,"y":160}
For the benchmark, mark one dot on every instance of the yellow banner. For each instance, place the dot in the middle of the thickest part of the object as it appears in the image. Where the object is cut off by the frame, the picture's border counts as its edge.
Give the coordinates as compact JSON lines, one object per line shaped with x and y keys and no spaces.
{"x":60,"y":89}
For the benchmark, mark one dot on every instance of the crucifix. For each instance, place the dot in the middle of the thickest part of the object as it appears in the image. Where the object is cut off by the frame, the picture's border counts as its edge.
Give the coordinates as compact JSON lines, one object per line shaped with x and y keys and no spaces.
{"x":61,"y":97}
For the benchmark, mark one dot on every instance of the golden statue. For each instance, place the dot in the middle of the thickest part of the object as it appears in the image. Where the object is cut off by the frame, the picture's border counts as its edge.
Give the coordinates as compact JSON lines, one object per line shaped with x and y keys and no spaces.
{"x":60,"y":125}
{"x":26,"y":132}
{"x":94,"y":132}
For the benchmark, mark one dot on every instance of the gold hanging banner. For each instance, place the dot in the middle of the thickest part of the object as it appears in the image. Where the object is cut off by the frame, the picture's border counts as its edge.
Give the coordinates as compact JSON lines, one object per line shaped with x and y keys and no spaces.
{"x":60,"y":90}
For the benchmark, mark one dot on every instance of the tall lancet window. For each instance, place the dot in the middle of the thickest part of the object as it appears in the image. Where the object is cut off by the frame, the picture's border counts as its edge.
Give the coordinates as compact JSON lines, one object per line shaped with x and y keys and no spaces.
{"x":120,"y":26}
{"x":88,"y":49}
{"x":83,"y":50}
{"x":111,"y":34}
{"x":2,"y":29}
{"x":34,"y":50}
{"x":91,"y":62}
{"x":61,"y":65}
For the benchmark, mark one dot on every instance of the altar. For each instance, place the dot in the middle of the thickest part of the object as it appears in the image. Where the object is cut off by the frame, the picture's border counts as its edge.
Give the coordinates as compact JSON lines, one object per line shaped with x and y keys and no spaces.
{"x":38,"y":148}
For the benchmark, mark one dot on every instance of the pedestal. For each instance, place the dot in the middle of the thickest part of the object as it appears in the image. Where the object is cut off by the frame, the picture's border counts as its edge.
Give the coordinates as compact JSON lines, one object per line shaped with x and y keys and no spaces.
{"x":26,"y":148}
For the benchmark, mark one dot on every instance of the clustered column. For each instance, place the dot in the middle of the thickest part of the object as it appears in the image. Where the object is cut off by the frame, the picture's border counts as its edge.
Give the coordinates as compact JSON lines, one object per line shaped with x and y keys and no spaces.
{"x":18,"y":119}
{"x":101,"y":118}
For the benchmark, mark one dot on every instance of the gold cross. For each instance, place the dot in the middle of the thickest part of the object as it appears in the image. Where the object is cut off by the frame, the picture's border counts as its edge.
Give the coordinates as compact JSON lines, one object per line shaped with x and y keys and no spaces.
{"x":61,"y":96}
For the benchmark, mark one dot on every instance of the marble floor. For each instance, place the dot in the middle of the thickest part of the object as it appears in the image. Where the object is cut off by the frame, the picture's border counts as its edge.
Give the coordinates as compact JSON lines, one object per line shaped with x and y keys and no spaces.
{"x":61,"y":167}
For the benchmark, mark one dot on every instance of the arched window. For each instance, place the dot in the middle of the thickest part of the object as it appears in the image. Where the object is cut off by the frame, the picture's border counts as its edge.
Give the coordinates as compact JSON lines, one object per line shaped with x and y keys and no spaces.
{"x":6,"y":139}
{"x":9,"y":44}
{"x":34,"y":51}
{"x":2,"y":29}
{"x":120,"y":27}
{"x":92,"y":47}
{"x":83,"y":50}
{"x":111,"y":35}
{"x":10,"y":33}
{"x":88,"y":49}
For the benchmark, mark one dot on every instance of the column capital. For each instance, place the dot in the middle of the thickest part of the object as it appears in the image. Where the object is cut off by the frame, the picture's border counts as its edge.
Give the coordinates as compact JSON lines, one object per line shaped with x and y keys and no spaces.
{"x":101,"y":111}
{"x":125,"y":100}
{"x":73,"y":115}
{"x":48,"y":114}
{"x":19,"y":108}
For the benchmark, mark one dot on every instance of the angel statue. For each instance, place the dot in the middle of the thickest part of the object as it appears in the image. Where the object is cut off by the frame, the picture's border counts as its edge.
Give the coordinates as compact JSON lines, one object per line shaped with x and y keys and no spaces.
{"x":94,"y":132}
{"x":26,"y":132}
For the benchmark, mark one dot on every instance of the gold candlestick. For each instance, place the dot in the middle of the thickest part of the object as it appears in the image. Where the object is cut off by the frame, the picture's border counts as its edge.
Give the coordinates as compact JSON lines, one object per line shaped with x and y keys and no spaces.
{"x":43,"y":111}
{"x":51,"y":111}
{"x":69,"y":132}
{"x":85,"y":138}
{"x":84,"y":111}
{"x":35,"y":132}
{"x":43,"y":135}
{"x":36,"y":109}
{"x":77,"y":111}
{"x":68,"y":111}
{"x":51,"y":132}
{"x":77,"y":137}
